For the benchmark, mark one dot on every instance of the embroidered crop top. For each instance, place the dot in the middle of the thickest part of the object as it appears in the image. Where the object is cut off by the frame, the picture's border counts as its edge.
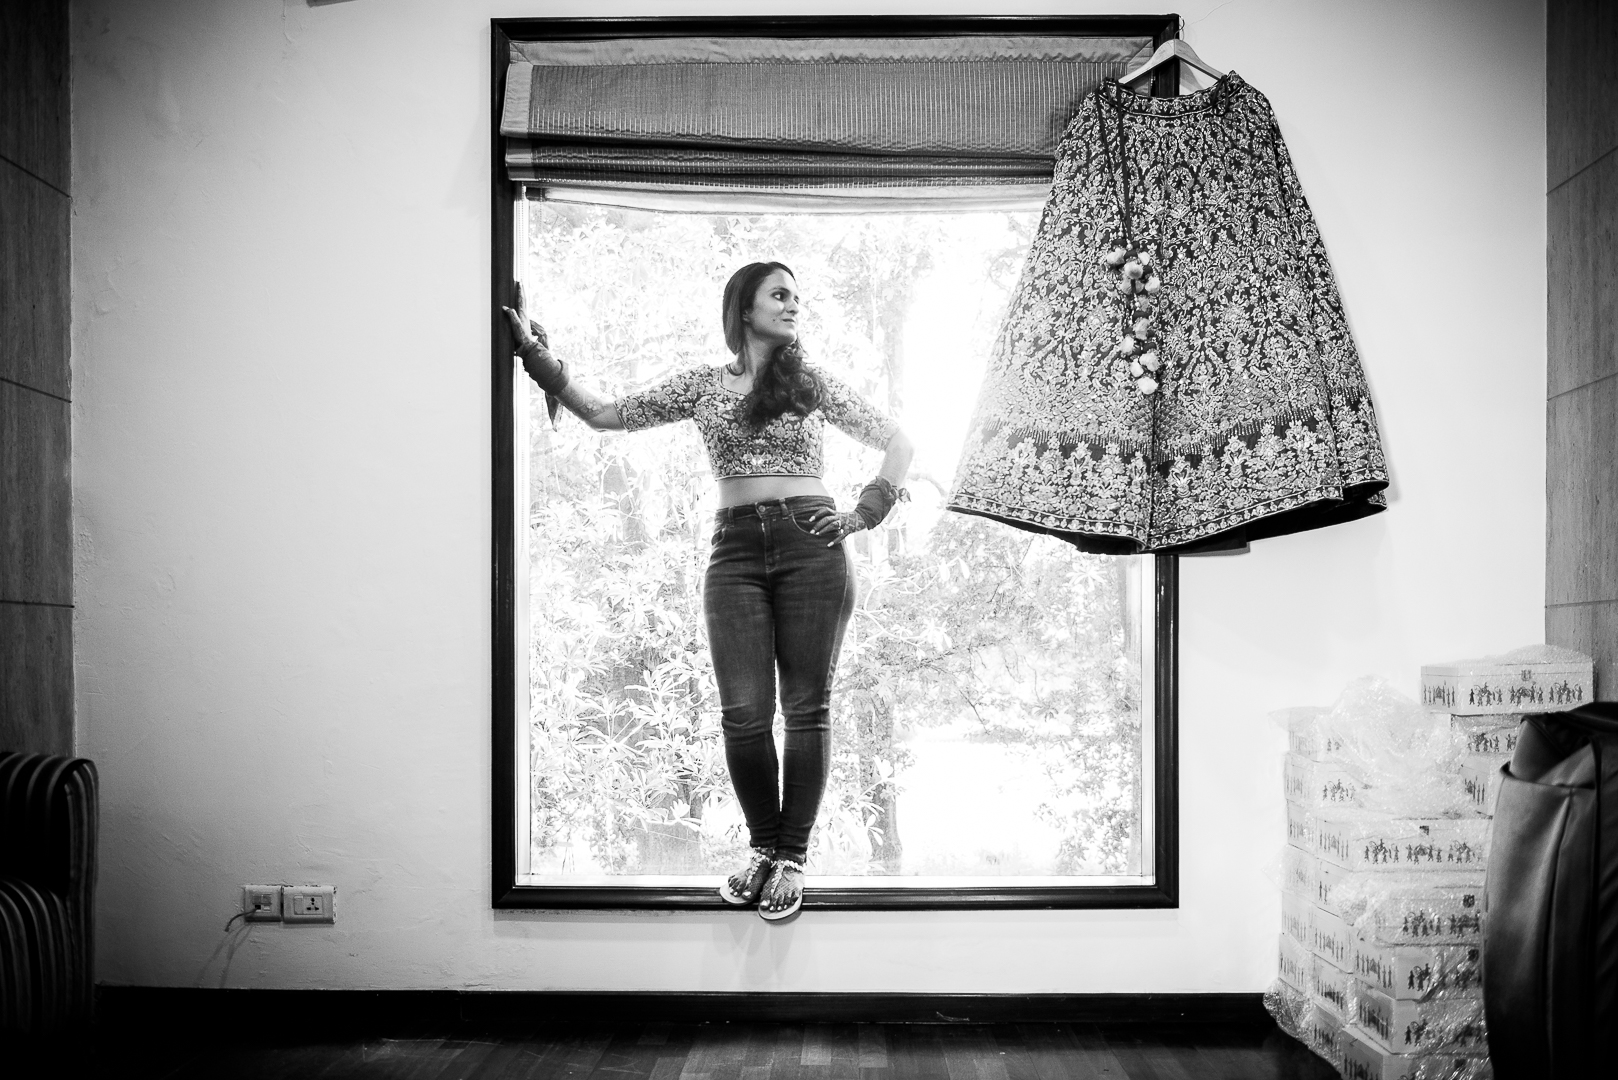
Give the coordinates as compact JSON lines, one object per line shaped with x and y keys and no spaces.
{"x":789,"y":445}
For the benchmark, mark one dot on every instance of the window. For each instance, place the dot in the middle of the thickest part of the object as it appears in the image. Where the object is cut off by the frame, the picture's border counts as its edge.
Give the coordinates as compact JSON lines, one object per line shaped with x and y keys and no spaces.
{"x":1004,"y":713}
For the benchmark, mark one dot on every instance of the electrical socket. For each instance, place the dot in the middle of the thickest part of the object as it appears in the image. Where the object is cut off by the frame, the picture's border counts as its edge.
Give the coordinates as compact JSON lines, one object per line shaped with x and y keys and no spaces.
{"x":309,"y":904}
{"x":261,"y":903}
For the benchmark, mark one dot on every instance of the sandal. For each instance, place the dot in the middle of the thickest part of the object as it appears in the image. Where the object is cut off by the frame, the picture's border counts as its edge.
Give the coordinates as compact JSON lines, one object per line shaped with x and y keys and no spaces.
{"x":744,"y":886}
{"x":786,"y":880}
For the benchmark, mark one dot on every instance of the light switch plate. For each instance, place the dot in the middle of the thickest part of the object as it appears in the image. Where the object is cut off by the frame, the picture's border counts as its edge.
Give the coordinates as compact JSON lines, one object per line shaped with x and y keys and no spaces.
{"x":309,"y":904}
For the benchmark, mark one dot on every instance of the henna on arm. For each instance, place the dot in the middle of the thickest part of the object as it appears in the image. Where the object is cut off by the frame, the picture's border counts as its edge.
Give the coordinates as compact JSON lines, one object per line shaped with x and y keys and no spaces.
{"x":589,"y":406}
{"x":552,"y":376}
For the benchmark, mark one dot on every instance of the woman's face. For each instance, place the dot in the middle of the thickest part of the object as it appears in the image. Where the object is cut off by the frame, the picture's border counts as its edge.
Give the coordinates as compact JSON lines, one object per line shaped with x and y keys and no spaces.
{"x":774,"y":314}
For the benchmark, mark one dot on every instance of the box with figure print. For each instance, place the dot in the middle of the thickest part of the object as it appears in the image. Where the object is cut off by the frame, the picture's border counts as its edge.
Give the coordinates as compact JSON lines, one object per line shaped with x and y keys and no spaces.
{"x":1539,"y":678}
{"x":1295,"y":961}
{"x":1363,"y":1059}
{"x":1439,"y":1024}
{"x":1389,"y":842}
{"x":1481,"y":777}
{"x":1415,"y":973}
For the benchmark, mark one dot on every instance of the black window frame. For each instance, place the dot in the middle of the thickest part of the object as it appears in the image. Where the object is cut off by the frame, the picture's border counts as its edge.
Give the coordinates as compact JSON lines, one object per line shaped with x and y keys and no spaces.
{"x":507,"y":892}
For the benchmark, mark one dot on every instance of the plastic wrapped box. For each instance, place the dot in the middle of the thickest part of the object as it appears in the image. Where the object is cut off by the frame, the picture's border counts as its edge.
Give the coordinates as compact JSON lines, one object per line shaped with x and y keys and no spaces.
{"x":1372,"y":841}
{"x":1330,"y":938}
{"x":1320,"y":784}
{"x":1493,"y":735}
{"x":1539,"y":678}
{"x":1441,"y":1023}
{"x":1299,"y":871}
{"x":1311,"y":734}
{"x":1300,"y":827}
{"x":1420,"y":909}
{"x":1294,"y":963}
{"x":1298,"y":919}
{"x":1323,"y":1033}
{"x":1363,"y":1059}
{"x":1411,"y":973}
{"x":1328,"y":987}
{"x":1481,"y":779}
{"x":1290,"y":1007}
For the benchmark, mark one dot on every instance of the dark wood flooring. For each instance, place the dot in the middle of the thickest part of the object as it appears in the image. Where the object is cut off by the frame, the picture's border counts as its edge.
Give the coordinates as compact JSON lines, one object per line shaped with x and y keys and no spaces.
{"x":738,"y":1051}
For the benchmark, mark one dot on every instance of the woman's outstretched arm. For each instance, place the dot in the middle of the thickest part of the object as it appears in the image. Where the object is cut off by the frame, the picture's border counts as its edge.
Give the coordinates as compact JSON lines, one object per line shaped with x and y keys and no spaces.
{"x":896,"y":459}
{"x":552,"y":375}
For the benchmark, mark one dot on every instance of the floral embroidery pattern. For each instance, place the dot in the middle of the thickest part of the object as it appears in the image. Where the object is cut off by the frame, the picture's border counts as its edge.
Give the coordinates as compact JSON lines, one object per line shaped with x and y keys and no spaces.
{"x":789,"y":445}
{"x":1263,"y":408}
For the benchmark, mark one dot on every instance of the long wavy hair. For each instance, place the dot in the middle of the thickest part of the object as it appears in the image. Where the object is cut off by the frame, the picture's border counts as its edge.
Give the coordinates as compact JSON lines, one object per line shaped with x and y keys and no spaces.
{"x":784,"y":384}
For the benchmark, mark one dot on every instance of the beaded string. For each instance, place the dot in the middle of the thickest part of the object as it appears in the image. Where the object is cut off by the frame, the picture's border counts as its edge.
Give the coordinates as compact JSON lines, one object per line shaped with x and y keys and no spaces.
{"x":1138,"y":282}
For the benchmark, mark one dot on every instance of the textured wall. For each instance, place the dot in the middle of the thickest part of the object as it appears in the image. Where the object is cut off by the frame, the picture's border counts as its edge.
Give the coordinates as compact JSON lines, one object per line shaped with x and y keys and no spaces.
{"x":281,"y":347}
{"x":1581,"y":145}
{"x":36,"y":536}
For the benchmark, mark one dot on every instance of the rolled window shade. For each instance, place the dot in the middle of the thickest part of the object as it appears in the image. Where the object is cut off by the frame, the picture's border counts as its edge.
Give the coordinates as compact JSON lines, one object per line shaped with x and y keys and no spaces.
{"x":799,"y":115}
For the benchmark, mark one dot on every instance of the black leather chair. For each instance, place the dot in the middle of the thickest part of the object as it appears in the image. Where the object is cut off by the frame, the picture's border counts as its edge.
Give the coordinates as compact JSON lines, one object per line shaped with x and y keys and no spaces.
{"x":49,"y":809}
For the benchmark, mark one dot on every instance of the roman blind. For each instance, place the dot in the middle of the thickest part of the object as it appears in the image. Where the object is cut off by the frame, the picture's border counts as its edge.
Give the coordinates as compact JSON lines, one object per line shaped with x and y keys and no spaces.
{"x":806,"y":117}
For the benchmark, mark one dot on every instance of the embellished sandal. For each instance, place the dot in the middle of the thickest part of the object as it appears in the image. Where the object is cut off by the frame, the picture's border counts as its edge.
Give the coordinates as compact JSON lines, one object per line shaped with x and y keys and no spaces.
{"x":786,"y":880}
{"x":744,"y":886}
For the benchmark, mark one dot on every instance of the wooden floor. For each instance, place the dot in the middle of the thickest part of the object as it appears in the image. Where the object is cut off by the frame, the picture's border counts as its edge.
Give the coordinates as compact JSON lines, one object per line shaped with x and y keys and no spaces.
{"x":747,"y":1052}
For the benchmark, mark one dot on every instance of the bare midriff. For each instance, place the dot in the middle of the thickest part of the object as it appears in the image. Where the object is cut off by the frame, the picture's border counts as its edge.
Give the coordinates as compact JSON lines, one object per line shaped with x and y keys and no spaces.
{"x":746,"y":490}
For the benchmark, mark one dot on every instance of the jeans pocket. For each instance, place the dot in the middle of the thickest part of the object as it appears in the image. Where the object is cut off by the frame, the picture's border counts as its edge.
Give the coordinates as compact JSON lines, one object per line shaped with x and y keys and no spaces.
{"x":718,"y":537}
{"x":804,"y":521}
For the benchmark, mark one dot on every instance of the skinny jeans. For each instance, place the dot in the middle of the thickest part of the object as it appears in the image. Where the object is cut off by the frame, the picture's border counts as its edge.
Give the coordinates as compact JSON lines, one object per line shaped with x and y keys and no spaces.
{"x":777,"y":601}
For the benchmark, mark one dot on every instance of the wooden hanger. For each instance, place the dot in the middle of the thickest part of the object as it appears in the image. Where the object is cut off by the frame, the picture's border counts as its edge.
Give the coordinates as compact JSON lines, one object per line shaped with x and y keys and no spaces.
{"x":1174,"y":49}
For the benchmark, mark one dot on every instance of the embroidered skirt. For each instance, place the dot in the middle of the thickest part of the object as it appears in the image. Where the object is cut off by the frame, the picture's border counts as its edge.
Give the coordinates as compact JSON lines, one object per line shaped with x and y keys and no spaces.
{"x":1261,"y":422}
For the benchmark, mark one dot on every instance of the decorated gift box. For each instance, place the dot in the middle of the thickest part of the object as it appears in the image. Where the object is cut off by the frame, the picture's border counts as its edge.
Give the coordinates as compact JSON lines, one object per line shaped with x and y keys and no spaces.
{"x":1299,"y":871}
{"x":1295,"y":961}
{"x":1323,"y":1033}
{"x":1438,"y":1024}
{"x":1300,"y":827}
{"x":1363,"y":1059}
{"x":1372,"y":841}
{"x":1494,"y":736}
{"x":1405,"y":909}
{"x":1330,"y":938}
{"x":1406,"y":972}
{"x":1298,"y":919}
{"x":1311,"y":733}
{"x":1320,"y":784}
{"x":1540,"y":678}
{"x":1481,"y":779}
{"x":1328,"y":987}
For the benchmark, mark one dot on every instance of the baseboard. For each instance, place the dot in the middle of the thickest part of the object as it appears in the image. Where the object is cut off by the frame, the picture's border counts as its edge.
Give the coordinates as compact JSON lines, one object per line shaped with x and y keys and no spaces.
{"x":412,"y":1012}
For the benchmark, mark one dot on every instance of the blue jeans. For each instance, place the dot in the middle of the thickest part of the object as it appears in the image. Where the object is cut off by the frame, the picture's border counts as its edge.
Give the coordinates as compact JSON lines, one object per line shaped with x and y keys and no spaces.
{"x":777,"y":600}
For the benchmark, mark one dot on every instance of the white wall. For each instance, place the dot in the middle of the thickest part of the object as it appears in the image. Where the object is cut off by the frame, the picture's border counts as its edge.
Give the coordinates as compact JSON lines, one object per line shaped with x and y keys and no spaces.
{"x":281,"y":432}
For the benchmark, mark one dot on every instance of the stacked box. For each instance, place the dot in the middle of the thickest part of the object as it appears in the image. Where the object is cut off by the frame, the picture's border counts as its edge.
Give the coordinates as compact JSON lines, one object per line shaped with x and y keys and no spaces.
{"x":1323,"y":1033}
{"x":1444,"y":1024}
{"x":1486,"y":744}
{"x":1540,"y":678}
{"x":1365,"y":1060}
{"x":1388,"y":823}
{"x":1295,"y":963}
{"x":1319,"y":783}
{"x":1403,"y":971}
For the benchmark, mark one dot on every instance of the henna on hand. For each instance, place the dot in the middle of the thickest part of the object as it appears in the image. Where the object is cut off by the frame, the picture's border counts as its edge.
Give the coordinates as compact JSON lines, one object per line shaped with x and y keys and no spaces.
{"x":838,"y":526}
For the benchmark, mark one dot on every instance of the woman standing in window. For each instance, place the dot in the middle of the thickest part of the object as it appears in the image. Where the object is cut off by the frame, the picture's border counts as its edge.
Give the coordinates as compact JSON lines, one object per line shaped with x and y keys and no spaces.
{"x":779,"y":588}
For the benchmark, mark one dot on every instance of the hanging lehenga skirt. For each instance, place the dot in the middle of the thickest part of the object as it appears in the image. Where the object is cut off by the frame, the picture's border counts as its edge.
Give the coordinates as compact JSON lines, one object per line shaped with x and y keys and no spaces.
{"x":1175,"y":373}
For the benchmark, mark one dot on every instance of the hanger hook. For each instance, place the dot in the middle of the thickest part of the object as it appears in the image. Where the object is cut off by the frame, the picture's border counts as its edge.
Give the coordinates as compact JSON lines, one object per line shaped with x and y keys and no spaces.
{"x":1179,"y":31}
